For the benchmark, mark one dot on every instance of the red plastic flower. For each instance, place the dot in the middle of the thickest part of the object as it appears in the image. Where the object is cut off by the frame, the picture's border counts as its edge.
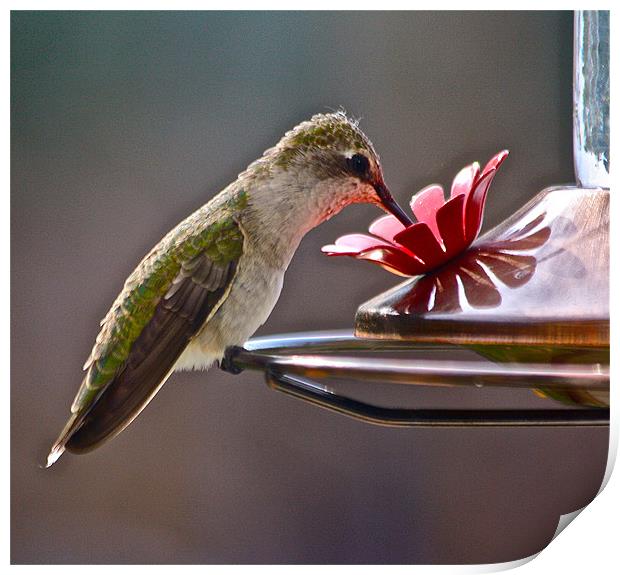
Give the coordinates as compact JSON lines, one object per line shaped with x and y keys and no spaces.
{"x":443,"y":230}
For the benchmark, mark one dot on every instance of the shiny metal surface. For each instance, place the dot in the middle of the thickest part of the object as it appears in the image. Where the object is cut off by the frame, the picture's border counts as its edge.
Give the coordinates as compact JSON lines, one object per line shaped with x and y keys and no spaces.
{"x":309,"y":391}
{"x":303,"y":364}
{"x":430,"y":372}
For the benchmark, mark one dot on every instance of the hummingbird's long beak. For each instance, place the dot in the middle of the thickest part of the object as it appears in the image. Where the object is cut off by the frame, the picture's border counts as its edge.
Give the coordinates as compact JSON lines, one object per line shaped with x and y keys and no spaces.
{"x":389,"y":203}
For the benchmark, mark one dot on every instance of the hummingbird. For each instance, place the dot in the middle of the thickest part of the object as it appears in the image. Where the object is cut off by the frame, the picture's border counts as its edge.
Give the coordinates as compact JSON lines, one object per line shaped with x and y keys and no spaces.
{"x":213,"y":280}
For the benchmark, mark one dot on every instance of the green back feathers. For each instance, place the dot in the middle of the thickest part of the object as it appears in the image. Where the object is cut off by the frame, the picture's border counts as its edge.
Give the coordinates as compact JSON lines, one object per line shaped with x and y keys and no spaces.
{"x":210,"y":230}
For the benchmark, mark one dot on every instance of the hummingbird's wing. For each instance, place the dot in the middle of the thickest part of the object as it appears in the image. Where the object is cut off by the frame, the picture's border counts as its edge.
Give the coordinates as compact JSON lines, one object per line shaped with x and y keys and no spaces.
{"x":163,"y":305}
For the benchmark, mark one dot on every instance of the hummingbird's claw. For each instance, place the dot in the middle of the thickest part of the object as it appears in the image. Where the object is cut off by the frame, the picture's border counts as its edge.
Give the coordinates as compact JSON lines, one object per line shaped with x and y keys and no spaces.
{"x":227,"y":363}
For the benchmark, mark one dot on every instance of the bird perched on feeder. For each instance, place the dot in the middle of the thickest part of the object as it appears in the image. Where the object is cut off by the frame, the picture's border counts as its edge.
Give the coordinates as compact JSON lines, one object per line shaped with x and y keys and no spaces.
{"x":213,"y":280}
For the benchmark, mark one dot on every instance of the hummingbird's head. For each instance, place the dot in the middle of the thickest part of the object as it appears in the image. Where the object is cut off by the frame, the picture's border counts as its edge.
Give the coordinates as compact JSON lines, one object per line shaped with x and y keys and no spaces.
{"x":331,"y":160}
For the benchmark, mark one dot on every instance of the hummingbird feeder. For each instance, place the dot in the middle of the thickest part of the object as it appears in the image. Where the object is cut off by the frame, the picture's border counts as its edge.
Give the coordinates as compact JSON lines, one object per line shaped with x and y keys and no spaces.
{"x":530,"y":298}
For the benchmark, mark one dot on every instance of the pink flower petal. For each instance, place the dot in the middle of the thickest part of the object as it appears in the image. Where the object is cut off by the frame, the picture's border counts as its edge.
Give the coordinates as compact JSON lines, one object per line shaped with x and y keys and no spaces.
{"x":451,"y":225}
{"x":425,"y":205}
{"x":420,"y":241}
{"x":394,"y":260}
{"x":464,"y":180}
{"x":334,"y":250}
{"x":386,"y":227}
{"x":474,"y":206}
{"x":496,"y":161}
{"x":352,"y":244}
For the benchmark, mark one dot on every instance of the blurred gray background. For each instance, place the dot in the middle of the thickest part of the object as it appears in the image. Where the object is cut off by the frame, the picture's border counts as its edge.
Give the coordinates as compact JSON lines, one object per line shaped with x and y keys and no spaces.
{"x":123,"y":124}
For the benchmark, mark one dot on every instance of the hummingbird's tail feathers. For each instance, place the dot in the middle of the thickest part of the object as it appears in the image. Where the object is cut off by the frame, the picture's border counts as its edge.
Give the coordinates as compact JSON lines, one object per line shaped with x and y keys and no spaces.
{"x":53,"y":456}
{"x":59,"y":446}
{"x":195,"y":293}
{"x":178,"y":317}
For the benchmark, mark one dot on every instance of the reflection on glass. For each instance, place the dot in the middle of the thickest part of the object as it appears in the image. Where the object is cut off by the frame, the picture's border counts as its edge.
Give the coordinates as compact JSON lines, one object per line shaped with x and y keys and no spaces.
{"x":480,"y":275}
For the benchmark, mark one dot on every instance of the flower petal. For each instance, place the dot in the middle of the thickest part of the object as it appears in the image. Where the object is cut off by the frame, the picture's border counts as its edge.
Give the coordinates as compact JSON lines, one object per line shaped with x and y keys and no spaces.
{"x":474,"y":206}
{"x":421,"y":242}
{"x":352,"y":244}
{"x":496,"y":161}
{"x":425,"y":205}
{"x":334,"y":250}
{"x":451,"y":225}
{"x":386,"y":227}
{"x":465,"y":179}
{"x":394,"y":260}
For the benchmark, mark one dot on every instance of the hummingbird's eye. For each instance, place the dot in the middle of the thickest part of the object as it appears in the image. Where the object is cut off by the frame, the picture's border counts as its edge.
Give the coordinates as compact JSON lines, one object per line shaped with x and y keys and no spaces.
{"x":358,"y":164}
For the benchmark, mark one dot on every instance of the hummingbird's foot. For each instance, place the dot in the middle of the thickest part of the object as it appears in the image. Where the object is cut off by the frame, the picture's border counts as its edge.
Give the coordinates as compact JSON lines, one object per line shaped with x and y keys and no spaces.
{"x":227,"y":363}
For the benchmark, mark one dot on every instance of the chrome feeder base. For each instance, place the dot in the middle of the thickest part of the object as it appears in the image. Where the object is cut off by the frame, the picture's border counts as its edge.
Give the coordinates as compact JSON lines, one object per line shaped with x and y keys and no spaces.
{"x":295,"y":363}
